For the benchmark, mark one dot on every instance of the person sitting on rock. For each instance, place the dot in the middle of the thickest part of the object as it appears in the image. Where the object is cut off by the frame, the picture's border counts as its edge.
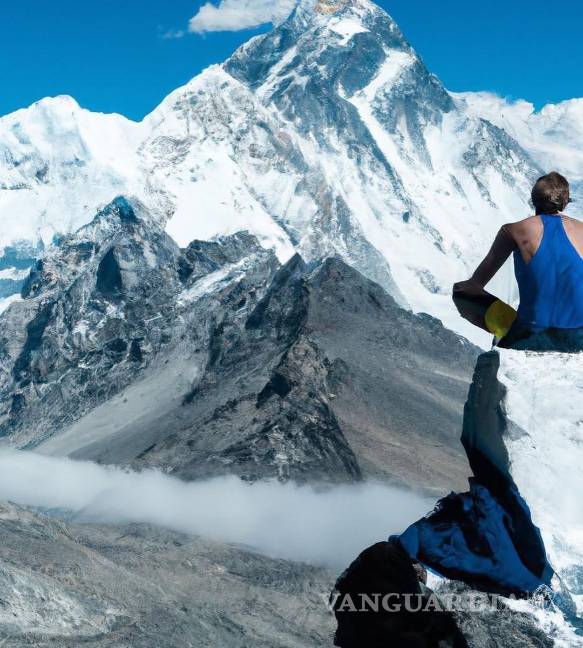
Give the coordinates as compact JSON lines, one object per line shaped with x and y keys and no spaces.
{"x":486,"y":537}
{"x":548,"y":261}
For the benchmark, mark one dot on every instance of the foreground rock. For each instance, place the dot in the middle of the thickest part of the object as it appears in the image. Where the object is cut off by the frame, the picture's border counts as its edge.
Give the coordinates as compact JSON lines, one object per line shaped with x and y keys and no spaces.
{"x":412,"y":615}
{"x":215,"y":359}
{"x":517,"y":533}
{"x":66,"y":585}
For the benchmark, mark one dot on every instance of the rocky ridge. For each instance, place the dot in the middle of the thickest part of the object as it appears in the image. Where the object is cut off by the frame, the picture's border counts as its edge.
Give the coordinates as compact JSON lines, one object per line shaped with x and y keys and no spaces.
{"x":215,"y":359}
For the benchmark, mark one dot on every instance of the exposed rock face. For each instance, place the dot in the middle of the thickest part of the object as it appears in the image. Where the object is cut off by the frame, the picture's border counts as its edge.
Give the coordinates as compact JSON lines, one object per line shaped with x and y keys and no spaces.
{"x":326,"y":361}
{"x":214,"y":359}
{"x":98,"y":309}
{"x":67,"y":585}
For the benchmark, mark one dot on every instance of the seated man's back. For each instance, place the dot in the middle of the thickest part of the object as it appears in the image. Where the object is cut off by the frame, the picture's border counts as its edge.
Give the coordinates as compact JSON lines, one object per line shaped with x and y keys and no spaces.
{"x":528,"y":234}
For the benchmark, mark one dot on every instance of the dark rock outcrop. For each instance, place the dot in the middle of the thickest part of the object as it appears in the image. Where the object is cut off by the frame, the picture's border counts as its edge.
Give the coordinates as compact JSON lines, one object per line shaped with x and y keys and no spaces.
{"x":321,"y":381}
{"x":382,"y":600}
{"x":385,"y":574}
{"x":215,"y":359}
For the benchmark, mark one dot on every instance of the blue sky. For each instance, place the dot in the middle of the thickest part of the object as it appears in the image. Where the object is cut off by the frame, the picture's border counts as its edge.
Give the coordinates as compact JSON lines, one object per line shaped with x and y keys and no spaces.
{"x":115,"y":56}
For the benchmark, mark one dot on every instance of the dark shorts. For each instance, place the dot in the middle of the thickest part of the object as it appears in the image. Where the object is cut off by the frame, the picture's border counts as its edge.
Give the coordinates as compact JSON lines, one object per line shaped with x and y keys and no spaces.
{"x":522,"y":338}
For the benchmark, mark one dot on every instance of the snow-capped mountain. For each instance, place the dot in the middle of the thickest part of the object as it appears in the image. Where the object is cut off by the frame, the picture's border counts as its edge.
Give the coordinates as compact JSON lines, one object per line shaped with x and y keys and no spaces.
{"x":328,"y":135}
{"x":57,"y":161}
{"x":552,"y":136}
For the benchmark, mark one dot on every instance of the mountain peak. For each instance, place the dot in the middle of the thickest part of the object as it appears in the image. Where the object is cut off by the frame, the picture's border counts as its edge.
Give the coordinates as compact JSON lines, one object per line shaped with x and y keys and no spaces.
{"x":318,"y":12}
{"x":322,"y":42}
{"x":328,"y":7}
{"x":48,"y":105}
{"x":59,"y":102}
{"x":332,"y":7}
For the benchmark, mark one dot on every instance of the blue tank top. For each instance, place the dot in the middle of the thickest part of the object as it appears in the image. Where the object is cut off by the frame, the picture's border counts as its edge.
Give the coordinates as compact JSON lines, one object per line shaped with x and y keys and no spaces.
{"x":551,"y":283}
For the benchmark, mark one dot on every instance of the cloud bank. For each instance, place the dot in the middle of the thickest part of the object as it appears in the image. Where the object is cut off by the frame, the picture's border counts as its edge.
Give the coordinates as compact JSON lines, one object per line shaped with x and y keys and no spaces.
{"x":234,"y":15}
{"x":322,"y":526}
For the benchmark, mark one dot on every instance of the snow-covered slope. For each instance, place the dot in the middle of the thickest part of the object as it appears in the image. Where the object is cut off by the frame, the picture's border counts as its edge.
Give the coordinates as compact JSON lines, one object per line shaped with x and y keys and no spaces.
{"x":211,"y":149}
{"x":57,"y":161}
{"x":327,"y":135}
{"x":543,"y":413}
{"x":523,"y":425}
{"x":553,"y":136}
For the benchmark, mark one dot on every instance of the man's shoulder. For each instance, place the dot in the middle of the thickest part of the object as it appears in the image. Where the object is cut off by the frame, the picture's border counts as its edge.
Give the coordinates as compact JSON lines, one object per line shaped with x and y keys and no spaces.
{"x":521,"y":226}
{"x":575,"y":222}
{"x":525,"y":222}
{"x":574,"y":227}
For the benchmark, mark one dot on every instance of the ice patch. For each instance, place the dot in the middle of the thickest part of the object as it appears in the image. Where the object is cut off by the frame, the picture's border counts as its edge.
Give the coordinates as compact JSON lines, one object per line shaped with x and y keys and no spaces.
{"x":346,"y":28}
{"x":212,"y":282}
{"x":7,"y":301}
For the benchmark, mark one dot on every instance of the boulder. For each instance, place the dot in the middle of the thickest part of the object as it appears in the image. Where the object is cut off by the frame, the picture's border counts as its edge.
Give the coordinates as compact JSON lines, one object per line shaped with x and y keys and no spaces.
{"x":383,"y":600}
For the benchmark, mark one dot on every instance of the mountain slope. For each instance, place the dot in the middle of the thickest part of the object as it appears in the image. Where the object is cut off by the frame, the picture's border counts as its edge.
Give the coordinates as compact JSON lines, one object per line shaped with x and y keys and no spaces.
{"x":217,"y":359}
{"x":552,"y":135}
{"x":327,"y":136}
{"x":135,"y":585}
{"x":328,"y":379}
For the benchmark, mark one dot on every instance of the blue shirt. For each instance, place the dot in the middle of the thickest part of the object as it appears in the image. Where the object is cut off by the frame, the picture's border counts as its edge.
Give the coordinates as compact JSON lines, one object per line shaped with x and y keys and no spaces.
{"x":551,"y":283}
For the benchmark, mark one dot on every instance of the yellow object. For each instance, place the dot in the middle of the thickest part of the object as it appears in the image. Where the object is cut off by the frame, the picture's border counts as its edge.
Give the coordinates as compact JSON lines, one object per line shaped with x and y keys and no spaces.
{"x":499,"y":318}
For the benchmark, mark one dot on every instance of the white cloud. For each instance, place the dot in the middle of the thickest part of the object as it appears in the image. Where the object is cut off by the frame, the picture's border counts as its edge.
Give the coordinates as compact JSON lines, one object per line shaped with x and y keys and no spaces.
{"x":322,"y":526}
{"x":233,"y":15}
